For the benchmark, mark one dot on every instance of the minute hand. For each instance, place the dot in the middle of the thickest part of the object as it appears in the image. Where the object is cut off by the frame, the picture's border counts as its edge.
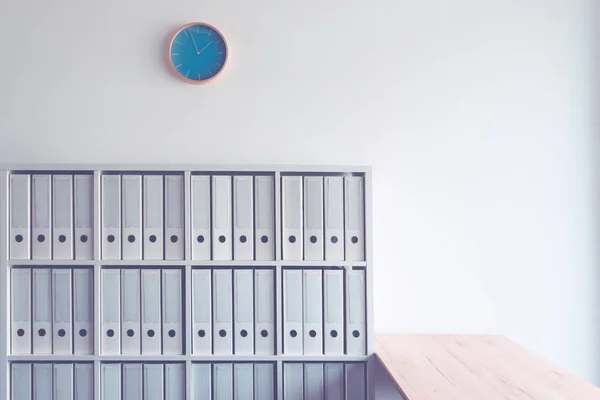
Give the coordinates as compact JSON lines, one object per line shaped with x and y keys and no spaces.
{"x":201,"y":50}
{"x":193,"y":41}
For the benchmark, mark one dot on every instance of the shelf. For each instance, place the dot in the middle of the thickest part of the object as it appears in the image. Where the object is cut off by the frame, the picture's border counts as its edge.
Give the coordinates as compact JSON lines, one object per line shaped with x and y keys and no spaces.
{"x":186,"y":167}
{"x":194,"y":263}
{"x":182,"y":358}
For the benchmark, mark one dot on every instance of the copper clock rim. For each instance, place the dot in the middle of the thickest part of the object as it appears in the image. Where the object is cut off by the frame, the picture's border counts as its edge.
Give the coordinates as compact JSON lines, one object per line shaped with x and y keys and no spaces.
{"x":192,"y":81}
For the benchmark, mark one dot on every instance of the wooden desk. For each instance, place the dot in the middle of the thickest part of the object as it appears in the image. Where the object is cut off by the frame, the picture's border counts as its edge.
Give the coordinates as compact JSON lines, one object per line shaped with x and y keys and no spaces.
{"x":449,"y":367}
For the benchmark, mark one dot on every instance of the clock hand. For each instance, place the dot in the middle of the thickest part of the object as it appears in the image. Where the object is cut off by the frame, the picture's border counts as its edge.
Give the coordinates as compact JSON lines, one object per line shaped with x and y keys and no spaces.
{"x":204,"y":47}
{"x":193,"y":41}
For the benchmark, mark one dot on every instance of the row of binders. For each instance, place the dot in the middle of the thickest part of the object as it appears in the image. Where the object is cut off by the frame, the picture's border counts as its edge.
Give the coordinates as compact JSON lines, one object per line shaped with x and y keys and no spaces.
{"x":52,"y":311}
{"x":324,"y":381}
{"x":232,"y":311}
{"x":324,"y":312}
{"x":51,"y":216}
{"x":46,"y":381}
{"x":323,"y":218}
{"x":219,"y":381}
{"x":141,"y":311}
{"x":142,"y":217}
{"x":132,"y":381}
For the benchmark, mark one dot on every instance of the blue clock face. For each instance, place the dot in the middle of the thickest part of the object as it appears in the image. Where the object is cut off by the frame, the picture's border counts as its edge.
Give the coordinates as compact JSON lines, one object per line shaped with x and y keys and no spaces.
{"x":198,"y":53}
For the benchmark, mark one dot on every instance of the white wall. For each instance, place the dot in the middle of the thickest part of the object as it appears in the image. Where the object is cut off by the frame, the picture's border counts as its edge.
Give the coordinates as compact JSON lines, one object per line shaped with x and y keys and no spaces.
{"x":477,"y":117}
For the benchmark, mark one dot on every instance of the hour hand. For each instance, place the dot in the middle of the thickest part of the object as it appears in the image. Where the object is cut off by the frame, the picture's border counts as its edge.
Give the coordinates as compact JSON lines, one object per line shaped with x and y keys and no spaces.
{"x":207,"y":44}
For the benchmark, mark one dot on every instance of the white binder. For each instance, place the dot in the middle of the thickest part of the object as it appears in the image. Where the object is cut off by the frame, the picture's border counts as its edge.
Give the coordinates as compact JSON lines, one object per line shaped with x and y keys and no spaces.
{"x":243,"y":290}
{"x":84,"y":380}
{"x":201,"y":201}
{"x":21,"y":311}
{"x":132,"y":381}
{"x":355,"y":218}
{"x":264,"y":211}
{"x":62,"y":217}
{"x":42,"y":311}
{"x":222,"y":312}
{"x":153,"y":382}
{"x":313,"y":218}
{"x":293,"y":381}
{"x":313,"y":312}
{"x":334,"y":218}
{"x":243,"y":218}
{"x":202,"y":381}
{"x":110,"y":292}
{"x":63,"y":381}
{"x":132,"y":217}
{"x":20,"y":381}
{"x":355,"y":381}
{"x":264,"y":311}
{"x":313,"y":381}
{"x":355,"y":312}
{"x":292,"y":311}
{"x":174,"y":381}
{"x":19,"y":217}
{"x":202,"y":313}
{"x":42,"y":381}
{"x":174,"y":225}
{"x":130,"y":312}
{"x":172,"y":332}
{"x":223,"y":381}
{"x":151,"y":331}
{"x":84,"y":217}
{"x":333,"y":318}
{"x":291,"y":217}
{"x":41,"y":247}
{"x":111,"y":217}
{"x":334,"y":381}
{"x":221,"y":218}
{"x":153,"y":217}
{"x":264,"y":382}
{"x":83,"y":303}
{"x":110,"y":381}
{"x":243,"y":381}
{"x":62,"y":338}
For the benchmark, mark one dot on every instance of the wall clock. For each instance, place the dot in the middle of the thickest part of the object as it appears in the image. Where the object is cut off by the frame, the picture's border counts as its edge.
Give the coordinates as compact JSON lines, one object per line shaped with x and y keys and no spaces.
{"x":198,"y":52}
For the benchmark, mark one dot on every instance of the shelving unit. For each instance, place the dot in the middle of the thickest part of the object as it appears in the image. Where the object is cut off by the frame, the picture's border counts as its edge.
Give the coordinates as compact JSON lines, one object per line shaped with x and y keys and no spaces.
{"x":313,"y":375}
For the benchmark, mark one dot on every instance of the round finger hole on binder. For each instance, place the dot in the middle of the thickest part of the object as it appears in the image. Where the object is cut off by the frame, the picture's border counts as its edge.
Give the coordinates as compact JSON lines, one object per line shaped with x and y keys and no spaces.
{"x":150,"y":333}
{"x":62,"y":238}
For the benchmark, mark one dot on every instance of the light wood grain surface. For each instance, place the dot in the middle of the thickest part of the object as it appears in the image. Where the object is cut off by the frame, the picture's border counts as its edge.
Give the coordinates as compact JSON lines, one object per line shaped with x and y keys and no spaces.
{"x":474,"y":367}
